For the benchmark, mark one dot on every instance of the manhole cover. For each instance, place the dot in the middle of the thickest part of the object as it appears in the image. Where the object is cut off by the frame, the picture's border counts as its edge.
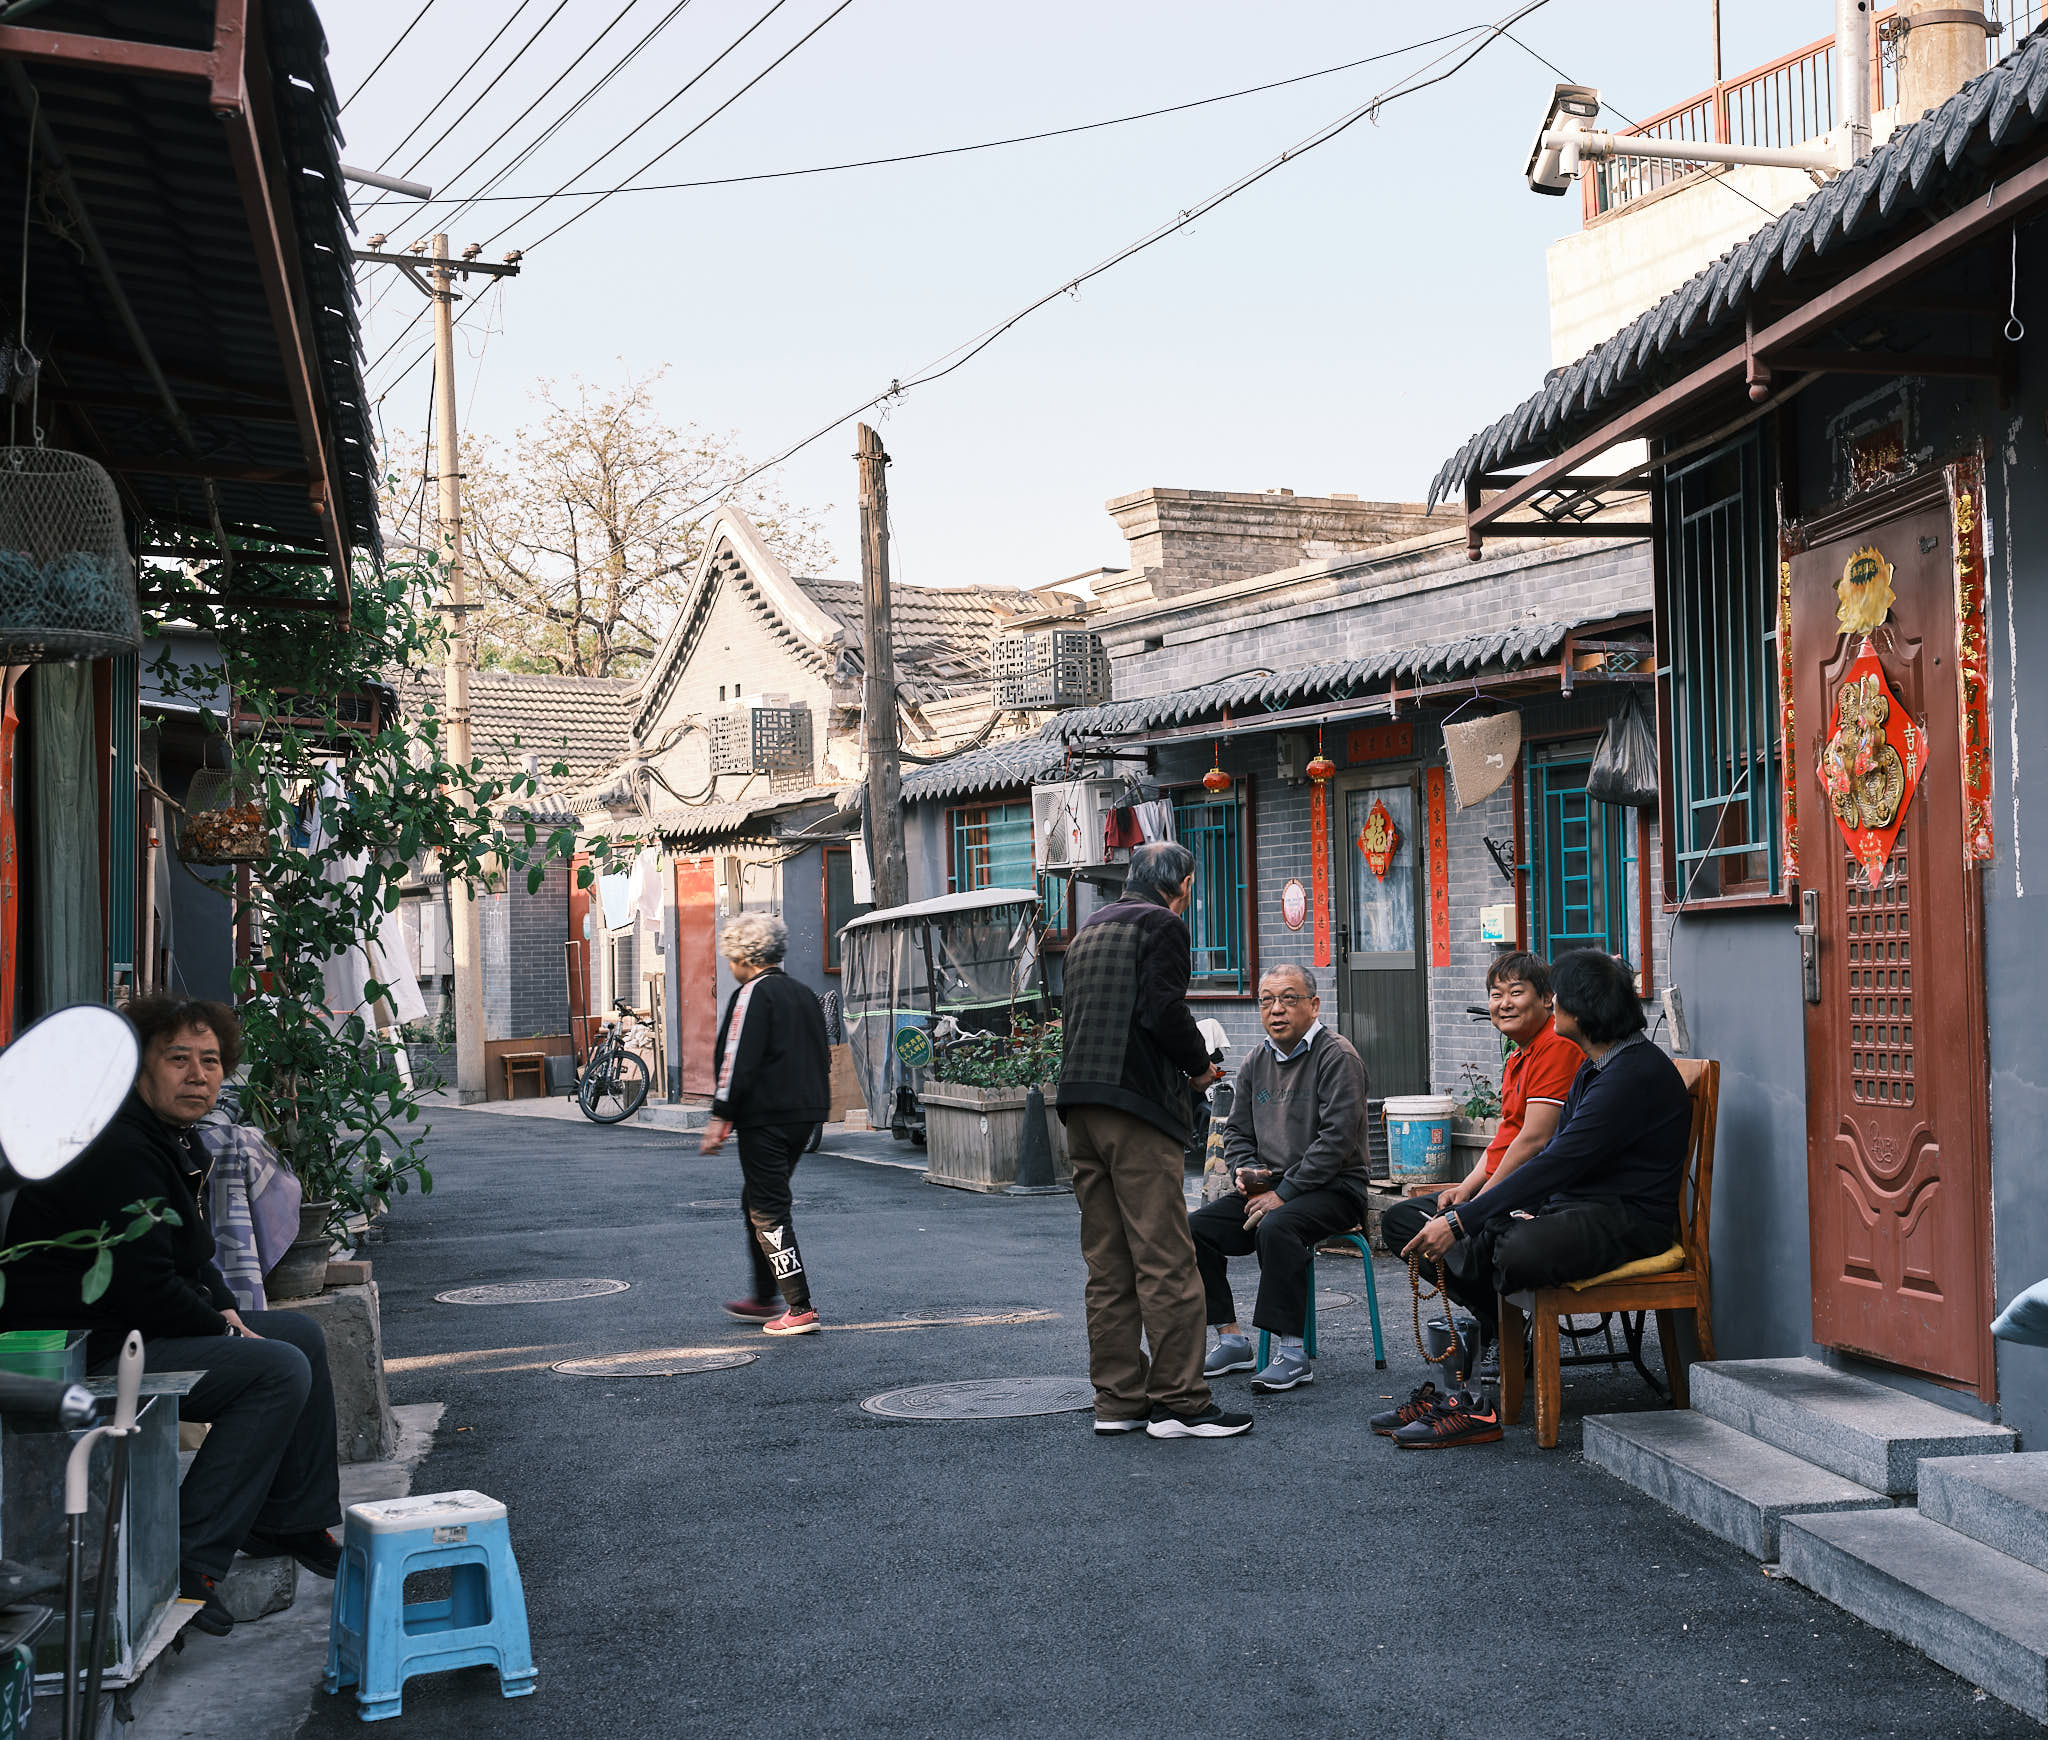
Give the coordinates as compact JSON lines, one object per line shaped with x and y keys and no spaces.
{"x":656,"y":1362}
{"x":985,"y":1399}
{"x":531,"y":1292}
{"x":1334,"y":1301}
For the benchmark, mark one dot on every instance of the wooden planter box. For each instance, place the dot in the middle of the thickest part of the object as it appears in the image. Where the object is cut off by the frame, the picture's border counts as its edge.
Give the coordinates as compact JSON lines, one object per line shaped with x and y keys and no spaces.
{"x":972,"y":1136}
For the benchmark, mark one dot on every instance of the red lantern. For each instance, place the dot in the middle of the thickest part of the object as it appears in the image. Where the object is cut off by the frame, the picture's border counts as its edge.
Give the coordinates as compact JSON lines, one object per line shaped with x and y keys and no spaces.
{"x":1322,"y":768}
{"x":1216,"y":780}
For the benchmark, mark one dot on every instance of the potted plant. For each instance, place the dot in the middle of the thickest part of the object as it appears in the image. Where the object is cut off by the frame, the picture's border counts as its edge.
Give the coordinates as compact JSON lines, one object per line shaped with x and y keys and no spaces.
{"x":1475,"y":1120}
{"x":976,"y":1096}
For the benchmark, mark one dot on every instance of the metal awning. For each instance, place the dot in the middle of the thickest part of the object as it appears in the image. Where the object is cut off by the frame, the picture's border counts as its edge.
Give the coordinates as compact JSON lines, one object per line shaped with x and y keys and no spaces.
{"x":972,"y":901}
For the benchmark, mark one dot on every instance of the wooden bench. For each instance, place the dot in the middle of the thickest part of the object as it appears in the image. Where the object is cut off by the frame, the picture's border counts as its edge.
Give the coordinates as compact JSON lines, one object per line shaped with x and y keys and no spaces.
{"x":1677,"y":1280}
{"x":519,"y":1063}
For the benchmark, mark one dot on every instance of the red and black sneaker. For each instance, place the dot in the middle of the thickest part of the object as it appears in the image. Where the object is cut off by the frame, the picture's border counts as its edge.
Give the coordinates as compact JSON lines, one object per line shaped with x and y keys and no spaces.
{"x":1421,"y":1403}
{"x":213,"y":1617}
{"x":804,"y":1322}
{"x":1460,"y":1420}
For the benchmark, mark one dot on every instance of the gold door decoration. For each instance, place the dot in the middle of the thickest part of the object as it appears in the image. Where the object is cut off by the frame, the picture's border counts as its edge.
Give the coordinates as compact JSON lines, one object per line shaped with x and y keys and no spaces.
{"x":1973,"y":656}
{"x":1864,"y":592}
{"x":1377,"y":839}
{"x":1870,"y":763}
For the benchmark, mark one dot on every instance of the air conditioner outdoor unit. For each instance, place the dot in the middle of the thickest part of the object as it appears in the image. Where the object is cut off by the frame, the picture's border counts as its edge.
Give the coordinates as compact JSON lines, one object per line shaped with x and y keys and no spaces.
{"x":1068,"y":820}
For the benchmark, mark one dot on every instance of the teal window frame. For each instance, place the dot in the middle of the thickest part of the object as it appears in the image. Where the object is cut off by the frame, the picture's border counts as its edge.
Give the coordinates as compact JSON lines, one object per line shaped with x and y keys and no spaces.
{"x":980,"y":838}
{"x":1723,"y":770}
{"x":1585,"y":860}
{"x":1218,"y":917}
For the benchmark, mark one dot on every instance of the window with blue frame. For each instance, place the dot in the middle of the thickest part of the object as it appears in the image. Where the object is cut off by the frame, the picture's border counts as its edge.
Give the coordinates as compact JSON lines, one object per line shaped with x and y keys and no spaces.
{"x":990,"y":847}
{"x":1585,"y":872}
{"x":1213,"y":829}
{"x":1719,"y":680}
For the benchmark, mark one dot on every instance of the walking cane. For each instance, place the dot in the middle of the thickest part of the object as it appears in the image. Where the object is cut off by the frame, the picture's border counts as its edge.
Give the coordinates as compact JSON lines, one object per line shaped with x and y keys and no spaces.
{"x":127,"y":1386}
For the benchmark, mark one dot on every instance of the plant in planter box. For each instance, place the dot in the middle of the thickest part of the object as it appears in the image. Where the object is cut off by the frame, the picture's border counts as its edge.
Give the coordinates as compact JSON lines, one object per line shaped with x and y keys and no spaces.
{"x":977,"y":1095}
{"x":347,"y":810}
{"x":1479,"y":1099}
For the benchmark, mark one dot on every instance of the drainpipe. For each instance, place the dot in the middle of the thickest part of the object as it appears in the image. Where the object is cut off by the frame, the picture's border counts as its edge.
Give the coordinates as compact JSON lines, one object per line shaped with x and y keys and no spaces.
{"x":1852,"y":78}
{"x":1941,"y":49}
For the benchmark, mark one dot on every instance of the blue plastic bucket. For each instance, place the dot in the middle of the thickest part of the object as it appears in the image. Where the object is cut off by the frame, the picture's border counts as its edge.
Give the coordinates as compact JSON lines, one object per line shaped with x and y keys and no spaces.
{"x":1419,"y":1137}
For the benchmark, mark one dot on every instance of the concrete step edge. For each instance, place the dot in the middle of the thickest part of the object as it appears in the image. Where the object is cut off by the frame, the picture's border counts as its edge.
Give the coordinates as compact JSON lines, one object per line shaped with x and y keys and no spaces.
{"x":2000,"y":1501}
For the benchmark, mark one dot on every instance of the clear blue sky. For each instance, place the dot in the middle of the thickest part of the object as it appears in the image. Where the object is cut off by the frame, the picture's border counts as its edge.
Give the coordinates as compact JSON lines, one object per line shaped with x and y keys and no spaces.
{"x":1342,"y":326}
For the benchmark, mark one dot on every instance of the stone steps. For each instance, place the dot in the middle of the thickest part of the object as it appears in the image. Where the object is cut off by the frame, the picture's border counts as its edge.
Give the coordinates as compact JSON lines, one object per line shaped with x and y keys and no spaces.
{"x":1731,"y":1484}
{"x":1862,"y":1431}
{"x":660,"y":1115}
{"x":2001,"y":1501}
{"x":1978,"y":1612}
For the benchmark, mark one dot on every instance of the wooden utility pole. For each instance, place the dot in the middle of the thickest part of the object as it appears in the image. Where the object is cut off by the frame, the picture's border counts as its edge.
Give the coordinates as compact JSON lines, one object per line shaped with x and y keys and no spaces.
{"x":887,"y":865}
{"x":466,"y":939}
{"x":1717,"y":44}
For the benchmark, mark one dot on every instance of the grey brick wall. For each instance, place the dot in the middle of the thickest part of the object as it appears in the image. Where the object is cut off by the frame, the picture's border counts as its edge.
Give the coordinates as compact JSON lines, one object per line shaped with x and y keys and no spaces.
{"x":537,"y":927}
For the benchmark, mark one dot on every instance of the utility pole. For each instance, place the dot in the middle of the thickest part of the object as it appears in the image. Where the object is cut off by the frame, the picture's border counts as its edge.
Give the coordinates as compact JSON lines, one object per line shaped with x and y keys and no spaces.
{"x":1717,"y":44}
{"x":887,"y":866}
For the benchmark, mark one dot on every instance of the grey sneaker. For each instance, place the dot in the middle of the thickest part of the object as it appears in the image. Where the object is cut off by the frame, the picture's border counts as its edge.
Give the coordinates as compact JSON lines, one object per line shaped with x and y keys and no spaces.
{"x":1231,"y":1353}
{"x":1283,"y":1372}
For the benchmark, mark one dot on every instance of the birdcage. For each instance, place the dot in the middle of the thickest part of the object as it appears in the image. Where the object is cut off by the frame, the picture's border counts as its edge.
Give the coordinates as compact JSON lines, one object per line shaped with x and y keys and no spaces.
{"x":224,"y":820}
{"x":67,"y":585}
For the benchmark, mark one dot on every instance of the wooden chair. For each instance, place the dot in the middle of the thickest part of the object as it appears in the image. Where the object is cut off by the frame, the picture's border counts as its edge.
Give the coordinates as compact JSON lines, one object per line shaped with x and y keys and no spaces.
{"x":1673,"y":1281}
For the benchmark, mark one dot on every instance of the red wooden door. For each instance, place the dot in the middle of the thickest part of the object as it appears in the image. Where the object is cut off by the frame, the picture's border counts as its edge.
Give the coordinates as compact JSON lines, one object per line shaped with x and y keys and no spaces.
{"x":1898,"y":1145}
{"x":696,"y":970}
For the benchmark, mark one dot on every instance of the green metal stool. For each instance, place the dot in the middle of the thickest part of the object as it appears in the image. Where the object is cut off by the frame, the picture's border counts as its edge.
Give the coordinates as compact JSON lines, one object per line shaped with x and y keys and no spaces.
{"x":1372,"y":1300}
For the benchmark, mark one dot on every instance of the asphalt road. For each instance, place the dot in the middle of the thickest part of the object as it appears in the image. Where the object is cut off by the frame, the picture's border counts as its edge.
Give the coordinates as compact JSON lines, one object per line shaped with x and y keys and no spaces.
{"x":746,"y":1553}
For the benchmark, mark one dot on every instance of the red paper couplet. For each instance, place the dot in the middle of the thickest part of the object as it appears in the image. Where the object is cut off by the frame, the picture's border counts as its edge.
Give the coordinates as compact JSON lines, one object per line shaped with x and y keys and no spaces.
{"x":1319,"y":866}
{"x":1439,"y":869}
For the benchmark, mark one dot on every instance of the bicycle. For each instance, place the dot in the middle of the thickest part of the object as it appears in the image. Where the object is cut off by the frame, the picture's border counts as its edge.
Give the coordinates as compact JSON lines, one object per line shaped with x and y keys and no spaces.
{"x":614,"y":1082}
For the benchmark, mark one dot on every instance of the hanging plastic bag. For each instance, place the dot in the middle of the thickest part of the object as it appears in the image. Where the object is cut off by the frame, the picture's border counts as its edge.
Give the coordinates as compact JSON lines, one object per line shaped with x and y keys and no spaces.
{"x":1624,"y":769}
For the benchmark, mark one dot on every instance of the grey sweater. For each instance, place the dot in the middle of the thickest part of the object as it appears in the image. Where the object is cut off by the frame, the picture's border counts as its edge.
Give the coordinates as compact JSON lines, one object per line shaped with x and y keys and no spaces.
{"x":1304,"y":1119}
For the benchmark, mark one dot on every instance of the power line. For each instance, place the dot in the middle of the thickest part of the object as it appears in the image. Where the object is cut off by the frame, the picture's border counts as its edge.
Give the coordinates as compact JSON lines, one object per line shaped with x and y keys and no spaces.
{"x":561,"y":120}
{"x":496,"y":78}
{"x":983,"y":145}
{"x":435,"y":107}
{"x":694,"y":131}
{"x":649,"y":119}
{"x":962,"y":354}
{"x":388,"y":53}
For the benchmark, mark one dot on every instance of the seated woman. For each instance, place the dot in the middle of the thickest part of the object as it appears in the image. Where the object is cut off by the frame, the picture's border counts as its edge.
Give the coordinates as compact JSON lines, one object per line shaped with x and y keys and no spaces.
{"x":267,"y":1479}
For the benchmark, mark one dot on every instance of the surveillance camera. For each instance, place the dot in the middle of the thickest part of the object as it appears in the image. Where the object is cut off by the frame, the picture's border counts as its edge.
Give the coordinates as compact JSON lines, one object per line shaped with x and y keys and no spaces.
{"x":1554,"y":159}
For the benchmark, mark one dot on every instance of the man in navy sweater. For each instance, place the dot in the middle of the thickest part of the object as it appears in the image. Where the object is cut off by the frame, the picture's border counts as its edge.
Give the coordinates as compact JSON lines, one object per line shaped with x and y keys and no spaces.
{"x":1603,"y":1192}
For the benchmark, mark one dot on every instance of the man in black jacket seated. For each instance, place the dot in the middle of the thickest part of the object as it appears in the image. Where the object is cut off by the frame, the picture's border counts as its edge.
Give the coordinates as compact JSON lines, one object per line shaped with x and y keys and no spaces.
{"x":773,"y":1069}
{"x":266,"y":1480}
{"x":1603,"y":1191}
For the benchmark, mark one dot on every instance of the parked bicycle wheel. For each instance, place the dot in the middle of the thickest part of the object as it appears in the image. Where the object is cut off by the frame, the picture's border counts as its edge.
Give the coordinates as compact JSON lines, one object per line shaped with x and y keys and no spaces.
{"x":613,"y":1088}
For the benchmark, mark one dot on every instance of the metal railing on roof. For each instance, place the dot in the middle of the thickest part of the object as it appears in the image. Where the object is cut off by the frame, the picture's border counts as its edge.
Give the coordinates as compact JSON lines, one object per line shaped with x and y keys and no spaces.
{"x":1783,"y":103}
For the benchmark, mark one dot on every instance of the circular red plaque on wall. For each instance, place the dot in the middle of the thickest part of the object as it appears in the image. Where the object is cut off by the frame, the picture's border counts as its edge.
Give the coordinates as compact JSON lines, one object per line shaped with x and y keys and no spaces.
{"x":1294,"y":905}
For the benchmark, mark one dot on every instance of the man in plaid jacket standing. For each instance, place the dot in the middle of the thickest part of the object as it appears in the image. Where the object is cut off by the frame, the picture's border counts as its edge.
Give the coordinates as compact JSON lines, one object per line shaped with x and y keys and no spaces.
{"x":1131,"y":1057}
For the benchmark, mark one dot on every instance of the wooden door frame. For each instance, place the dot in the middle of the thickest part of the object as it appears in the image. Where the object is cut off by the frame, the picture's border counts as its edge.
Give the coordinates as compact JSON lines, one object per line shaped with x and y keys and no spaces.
{"x":1921,"y":492}
{"x":1367,"y":776}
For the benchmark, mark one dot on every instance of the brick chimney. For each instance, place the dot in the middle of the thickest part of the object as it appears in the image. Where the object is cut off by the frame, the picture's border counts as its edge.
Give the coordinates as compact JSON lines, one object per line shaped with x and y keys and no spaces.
{"x":1187,"y":540}
{"x":1938,"y":58}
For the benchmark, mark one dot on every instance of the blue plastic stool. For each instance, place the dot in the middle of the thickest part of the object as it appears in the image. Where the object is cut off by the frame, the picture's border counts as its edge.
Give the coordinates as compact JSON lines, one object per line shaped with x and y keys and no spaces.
{"x":1372,"y":1300}
{"x":377,"y":1641}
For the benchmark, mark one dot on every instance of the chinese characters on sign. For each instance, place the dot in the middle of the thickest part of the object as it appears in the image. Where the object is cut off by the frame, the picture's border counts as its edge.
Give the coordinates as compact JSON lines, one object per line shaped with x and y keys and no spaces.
{"x":1380,"y":742}
{"x":1377,"y":839}
{"x":1293,"y":904}
{"x":1870,"y":764}
{"x":1439,"y":869}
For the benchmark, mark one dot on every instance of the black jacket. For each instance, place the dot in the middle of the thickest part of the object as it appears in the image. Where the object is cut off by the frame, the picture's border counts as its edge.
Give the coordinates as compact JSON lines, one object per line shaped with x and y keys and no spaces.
{"x":164,"y":1283}
{"x":1129,"y":1041}
{"x":781,"y":1070}
{"x":1623,"y":1137}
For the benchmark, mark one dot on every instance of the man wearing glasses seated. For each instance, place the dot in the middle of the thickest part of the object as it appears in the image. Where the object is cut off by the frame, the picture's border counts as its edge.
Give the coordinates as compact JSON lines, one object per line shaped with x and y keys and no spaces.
{"x":1295,"y":1142}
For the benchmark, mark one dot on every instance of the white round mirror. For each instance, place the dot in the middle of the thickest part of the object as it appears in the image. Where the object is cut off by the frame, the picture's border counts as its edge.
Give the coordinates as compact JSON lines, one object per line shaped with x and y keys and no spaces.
{"x":61,"y":1083}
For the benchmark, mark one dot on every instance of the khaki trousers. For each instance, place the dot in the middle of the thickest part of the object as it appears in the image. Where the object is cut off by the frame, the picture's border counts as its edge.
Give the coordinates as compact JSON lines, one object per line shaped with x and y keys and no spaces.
{"x":1141,"y":1266}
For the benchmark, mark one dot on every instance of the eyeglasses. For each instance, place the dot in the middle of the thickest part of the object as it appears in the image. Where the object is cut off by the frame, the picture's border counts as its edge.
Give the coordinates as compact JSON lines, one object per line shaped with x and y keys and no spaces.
{"x":1286,"y":1000}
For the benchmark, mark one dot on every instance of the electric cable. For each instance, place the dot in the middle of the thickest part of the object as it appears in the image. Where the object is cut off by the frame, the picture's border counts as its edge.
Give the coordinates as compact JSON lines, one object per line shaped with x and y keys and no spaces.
{"x":694,"y":131}
{"x":496,"y":79}
{"x":966,"y":352}
{"x":668,"y":103}
{"x":464,"y":202}
{"x":388,"y":53}
{"x":981,"y":145}
{"x":434,"y":107}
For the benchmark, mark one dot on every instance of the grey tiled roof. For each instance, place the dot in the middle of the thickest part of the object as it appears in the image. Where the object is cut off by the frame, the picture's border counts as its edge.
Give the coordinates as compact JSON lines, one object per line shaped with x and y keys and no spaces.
{"x":1510,"y":649}
{"x":998,"y":767}
{"x":941,"y":634}
{"x":577,"y":722}
{"x":1923,"y":171}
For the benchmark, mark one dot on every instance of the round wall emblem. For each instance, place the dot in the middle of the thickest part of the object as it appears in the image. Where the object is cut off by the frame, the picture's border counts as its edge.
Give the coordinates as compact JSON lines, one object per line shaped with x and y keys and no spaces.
{"x":913,"y":1047}
{"x":1293,"y":905}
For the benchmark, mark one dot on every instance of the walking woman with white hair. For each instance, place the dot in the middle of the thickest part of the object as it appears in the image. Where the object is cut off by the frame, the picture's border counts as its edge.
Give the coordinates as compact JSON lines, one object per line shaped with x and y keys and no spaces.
{"x":774,"y":1085}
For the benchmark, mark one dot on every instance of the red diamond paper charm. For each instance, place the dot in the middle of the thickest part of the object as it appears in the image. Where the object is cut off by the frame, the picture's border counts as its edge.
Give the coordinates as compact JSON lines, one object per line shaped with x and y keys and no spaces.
{"x":1378,"y":839}
{"x":1870,"y":764}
